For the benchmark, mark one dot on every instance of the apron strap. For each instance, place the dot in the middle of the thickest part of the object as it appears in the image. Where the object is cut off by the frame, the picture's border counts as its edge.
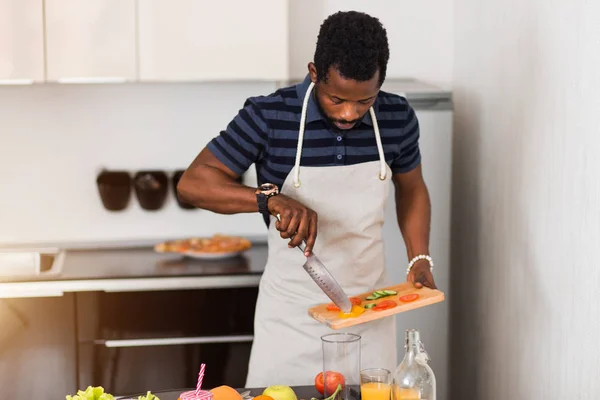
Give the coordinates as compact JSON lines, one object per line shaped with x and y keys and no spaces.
{"x":296,"y":181}
{"x":382,"y":170}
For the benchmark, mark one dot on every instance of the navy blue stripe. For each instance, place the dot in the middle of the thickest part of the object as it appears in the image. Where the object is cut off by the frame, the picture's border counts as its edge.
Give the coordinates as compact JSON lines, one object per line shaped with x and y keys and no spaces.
{"x":236,"y":146}
{"x":408,"y":162}
{"x":370,"y":141}
{"x":411,"y":148}
{"x":228,"y":155}
{"x":292,"y":143}
{"x":357,"y":159}
{"x":391,"y":124}
{"x":278,"y":174}
{"x":251,"y":123}
{"x":392,"y":107}
{"x":288,"y":93}
{"x":287,"y":125}
{"x":281,"y":106}
{"x":243,"y":135}
{"x":318,"y":160}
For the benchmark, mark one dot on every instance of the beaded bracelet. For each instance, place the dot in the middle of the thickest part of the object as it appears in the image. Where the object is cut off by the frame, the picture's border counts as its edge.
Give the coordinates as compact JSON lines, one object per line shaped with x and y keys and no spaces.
{"x":417,"y":258}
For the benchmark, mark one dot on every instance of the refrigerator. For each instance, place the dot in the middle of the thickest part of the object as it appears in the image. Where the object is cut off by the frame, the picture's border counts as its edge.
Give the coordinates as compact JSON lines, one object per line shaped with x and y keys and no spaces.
{"x":434,"y":110}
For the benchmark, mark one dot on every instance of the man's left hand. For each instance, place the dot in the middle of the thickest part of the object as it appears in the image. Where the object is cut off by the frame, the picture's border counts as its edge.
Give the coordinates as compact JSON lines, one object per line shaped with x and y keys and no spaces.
{"x":420,"y":275}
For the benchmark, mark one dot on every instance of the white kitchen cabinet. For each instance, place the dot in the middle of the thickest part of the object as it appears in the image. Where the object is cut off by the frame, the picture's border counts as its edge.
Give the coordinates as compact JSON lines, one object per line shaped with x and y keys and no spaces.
{"x":201,"y":40}
{"x":91,"y":40}
{"x":21,"y":41}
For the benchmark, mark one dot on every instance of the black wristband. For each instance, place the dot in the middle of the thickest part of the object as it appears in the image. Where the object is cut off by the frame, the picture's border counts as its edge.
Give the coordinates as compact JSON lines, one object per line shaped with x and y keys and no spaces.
{"x":262,"y":203}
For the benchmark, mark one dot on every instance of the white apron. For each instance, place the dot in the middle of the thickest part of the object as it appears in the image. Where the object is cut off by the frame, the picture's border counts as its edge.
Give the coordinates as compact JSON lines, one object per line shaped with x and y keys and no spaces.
{"x":350,"y":202}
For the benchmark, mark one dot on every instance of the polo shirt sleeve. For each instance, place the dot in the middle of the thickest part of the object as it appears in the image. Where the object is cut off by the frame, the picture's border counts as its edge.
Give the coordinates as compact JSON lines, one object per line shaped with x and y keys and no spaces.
{"x":244,"y":140}
{"x":409,"y":155}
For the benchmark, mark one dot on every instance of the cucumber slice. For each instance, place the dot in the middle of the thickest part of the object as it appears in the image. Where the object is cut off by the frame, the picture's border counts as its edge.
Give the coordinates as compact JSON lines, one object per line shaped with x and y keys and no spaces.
{"x":370,"y":305}
{"x":381,"y":293}
{"x":390,"y":292}
{"x":372,"y":297}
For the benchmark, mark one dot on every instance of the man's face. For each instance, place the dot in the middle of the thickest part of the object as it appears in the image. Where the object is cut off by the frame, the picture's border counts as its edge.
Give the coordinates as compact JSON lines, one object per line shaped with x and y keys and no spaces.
{"x":344,"y":101}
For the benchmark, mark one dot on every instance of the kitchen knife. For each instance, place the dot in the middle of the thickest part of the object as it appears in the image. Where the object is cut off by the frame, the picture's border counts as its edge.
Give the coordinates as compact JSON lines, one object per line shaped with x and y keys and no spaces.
{"x":323,"y":278}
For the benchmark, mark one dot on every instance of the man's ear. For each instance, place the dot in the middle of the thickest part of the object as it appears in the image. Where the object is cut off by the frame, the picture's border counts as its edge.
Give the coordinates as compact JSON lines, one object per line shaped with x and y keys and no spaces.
{"x":312,"y":70}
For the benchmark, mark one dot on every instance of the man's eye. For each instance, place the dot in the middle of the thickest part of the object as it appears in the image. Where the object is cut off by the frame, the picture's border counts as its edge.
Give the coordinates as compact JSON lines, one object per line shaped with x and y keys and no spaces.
{"x":336,"y":101}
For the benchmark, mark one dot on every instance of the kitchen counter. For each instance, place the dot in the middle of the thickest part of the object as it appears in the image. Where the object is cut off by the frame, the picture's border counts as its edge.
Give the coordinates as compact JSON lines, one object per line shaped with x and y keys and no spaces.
{"x":302,"y":392}
{"x":138,"y":269}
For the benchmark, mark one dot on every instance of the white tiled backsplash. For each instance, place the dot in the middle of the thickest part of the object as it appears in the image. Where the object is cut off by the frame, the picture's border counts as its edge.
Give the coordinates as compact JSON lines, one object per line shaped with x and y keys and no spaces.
{"x":54,"y":139}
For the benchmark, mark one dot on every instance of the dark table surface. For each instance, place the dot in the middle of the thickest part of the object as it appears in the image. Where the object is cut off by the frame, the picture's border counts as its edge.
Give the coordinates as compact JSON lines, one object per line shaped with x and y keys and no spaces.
{"x":302,"y":392}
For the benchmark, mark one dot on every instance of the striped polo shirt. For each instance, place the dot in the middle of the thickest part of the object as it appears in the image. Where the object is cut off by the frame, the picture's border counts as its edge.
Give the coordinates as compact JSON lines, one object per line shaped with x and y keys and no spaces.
{"x":265,"y":133}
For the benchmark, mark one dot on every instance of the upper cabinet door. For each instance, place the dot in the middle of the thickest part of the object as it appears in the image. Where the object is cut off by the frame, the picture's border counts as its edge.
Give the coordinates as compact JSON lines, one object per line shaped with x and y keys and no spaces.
{"x":200,"y":40}
{"x":91,"y":40}
{"x":21,"y":41}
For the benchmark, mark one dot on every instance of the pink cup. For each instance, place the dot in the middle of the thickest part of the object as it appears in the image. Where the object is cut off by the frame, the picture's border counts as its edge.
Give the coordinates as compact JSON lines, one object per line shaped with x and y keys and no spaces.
{"x":191,"y":395}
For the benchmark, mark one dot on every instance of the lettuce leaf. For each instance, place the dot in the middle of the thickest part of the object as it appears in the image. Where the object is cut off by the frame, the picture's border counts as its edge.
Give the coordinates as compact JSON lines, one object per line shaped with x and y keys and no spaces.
{"x":97,"y":393}
{"x":91,"y":393}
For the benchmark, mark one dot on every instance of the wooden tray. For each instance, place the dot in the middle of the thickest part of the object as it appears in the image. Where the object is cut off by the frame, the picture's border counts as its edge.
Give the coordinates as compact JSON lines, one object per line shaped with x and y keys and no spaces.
{"x":331,"y":318}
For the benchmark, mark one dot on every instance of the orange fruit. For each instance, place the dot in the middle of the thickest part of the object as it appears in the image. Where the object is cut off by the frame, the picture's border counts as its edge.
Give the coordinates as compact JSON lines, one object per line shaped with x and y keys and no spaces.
{"x":225,"y":393}
{"x":263,"y":397}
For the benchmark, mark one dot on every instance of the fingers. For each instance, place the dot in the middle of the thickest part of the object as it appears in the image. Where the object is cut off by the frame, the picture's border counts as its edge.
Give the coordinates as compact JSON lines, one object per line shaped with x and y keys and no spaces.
{"x":312,"y":234}
{"x":421,"y":278}
{"x":295,"y":222}
{"x":302,"y":231}
{"x":292,"y":227}
{"x":282,"y":226}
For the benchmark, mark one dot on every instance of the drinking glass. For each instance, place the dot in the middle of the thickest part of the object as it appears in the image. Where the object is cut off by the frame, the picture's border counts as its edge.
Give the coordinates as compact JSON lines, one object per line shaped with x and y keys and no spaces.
{"x":341,"y":364}
{"x":375,"y":384}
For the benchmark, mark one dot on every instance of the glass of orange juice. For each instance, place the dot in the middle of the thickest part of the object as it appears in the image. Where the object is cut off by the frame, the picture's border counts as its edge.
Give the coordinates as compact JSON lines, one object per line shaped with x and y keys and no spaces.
{"x":375,"y":384}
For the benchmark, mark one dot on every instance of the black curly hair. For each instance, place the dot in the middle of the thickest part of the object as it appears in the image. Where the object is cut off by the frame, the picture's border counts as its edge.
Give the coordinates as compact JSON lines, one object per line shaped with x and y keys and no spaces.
{"x":355,"y":44}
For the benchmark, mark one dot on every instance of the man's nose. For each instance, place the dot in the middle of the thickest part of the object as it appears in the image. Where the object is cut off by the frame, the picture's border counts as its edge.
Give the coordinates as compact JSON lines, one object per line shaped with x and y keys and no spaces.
{"x":349,"y":112}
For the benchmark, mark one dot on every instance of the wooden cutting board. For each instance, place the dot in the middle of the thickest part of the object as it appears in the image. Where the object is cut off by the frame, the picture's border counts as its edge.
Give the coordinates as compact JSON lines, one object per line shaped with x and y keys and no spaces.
{"x":332,"y":319}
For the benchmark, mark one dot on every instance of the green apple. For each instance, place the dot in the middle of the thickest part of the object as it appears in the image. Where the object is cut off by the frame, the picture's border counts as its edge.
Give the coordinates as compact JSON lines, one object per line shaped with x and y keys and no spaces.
{"x":280,"y":392}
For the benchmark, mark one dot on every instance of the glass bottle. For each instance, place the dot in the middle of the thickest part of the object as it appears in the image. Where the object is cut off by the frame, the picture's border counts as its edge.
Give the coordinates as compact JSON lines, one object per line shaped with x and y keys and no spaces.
{"x":413,"y":379}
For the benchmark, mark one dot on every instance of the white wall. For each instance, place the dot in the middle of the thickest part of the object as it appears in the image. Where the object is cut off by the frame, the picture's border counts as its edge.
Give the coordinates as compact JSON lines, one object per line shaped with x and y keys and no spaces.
{"x":420,"y":35}
{"x":55,"y":139}
{"x":526,"y":200}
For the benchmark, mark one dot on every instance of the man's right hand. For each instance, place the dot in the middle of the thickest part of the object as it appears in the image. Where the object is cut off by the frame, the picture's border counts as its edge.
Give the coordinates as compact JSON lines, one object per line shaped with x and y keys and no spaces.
{"x":296,"y":220}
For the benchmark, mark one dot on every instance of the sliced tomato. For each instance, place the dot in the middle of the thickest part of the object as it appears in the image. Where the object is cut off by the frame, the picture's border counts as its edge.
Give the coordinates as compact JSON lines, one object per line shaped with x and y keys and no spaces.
{"x":385,"y":305}
{"x":409,"y":297}
{"x":354,"y":300}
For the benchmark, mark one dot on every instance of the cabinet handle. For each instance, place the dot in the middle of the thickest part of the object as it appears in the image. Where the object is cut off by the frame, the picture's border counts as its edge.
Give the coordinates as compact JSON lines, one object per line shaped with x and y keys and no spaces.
{"x":175,"y":341}
{"x":17,"y":294}
{"x":16,"y":81}
{"x":99,"y":79}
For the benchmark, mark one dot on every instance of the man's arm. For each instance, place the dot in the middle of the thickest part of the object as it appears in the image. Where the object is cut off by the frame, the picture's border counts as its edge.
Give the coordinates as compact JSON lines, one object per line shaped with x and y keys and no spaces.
{"x":413,"y":207}
{"x":209,"y":184}
{"x":413,"y":210}
{"x":210,"y":181}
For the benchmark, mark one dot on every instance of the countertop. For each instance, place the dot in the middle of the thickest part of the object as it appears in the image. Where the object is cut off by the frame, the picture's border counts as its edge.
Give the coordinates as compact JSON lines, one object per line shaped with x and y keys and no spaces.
{"x":302,"y":392}
{"x":138,"y":269}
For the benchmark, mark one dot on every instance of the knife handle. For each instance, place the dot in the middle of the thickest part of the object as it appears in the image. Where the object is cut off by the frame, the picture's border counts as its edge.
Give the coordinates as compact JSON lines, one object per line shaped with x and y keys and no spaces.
{"x":301,"y":246}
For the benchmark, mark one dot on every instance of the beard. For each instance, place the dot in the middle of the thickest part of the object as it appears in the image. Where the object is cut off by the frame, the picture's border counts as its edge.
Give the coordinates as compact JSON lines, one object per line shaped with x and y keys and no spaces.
{"x":330,"y":121}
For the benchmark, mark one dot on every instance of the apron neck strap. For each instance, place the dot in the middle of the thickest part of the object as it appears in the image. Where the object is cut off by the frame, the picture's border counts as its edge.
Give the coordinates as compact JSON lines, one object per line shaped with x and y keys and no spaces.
{"x":296,"y":182}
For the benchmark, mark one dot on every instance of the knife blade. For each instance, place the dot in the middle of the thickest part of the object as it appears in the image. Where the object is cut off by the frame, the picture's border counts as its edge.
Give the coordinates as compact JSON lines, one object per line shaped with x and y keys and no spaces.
{"x":324,"y":279}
